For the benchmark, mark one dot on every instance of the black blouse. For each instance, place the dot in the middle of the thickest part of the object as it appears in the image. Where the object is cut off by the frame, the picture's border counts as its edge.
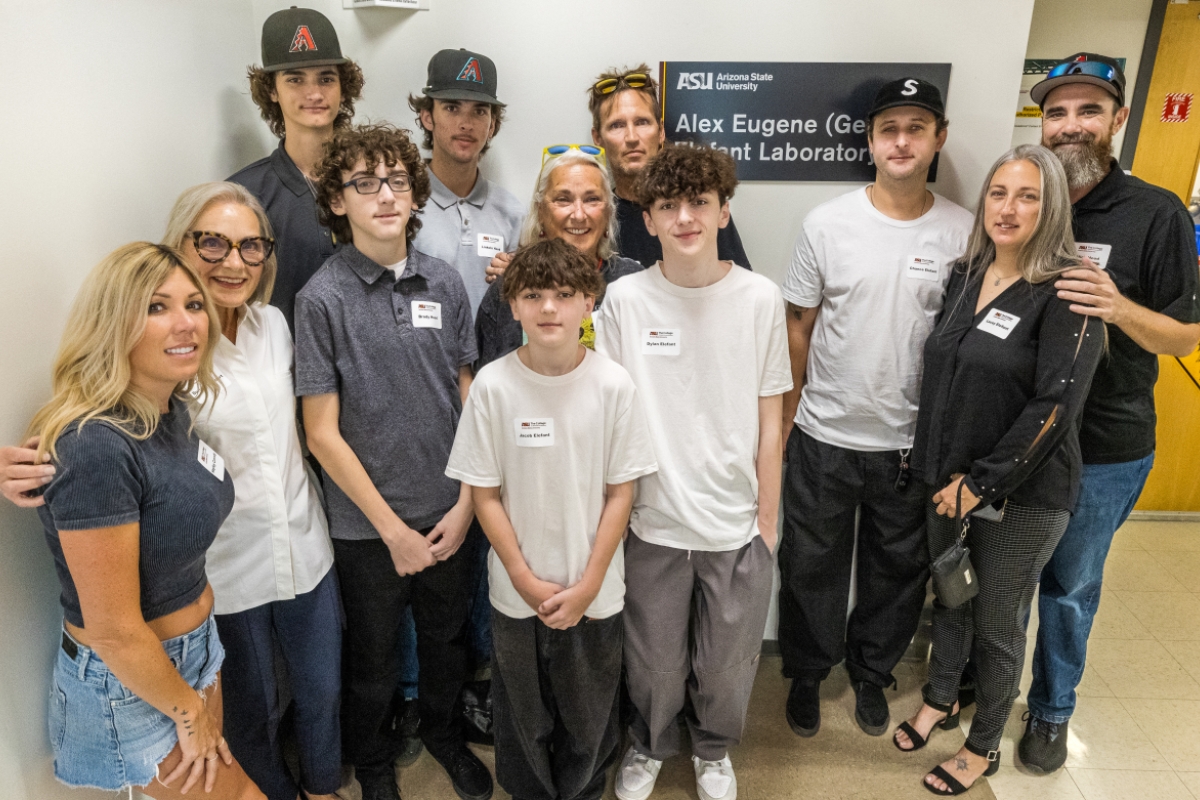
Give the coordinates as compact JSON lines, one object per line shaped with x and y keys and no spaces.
{"x":1002,"y":393}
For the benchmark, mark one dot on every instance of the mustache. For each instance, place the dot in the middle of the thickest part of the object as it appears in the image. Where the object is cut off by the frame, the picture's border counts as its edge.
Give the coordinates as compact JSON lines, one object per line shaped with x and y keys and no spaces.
{"x":1082,"y":137}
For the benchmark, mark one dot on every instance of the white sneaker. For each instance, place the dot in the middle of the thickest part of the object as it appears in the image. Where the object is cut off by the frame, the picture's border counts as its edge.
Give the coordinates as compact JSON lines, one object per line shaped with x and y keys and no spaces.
{"x":636,"y":777}
{"x":715,"y":779}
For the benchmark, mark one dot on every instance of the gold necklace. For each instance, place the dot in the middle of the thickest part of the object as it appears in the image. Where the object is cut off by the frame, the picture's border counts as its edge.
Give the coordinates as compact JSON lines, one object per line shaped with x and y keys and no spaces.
{"x":998,"y":278}
{"x":924,"y":200}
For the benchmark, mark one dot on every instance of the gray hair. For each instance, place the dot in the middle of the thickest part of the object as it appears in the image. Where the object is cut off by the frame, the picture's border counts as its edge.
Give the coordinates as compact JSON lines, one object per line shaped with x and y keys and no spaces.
{"x":196,"y":200}
{"x":1050,"y":251}
{"x":531,"y":230}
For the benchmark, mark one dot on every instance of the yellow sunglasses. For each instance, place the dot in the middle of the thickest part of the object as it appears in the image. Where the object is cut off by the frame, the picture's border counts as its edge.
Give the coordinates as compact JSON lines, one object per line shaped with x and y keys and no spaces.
{"x":634,"y":80}
{"x":555,"y":150}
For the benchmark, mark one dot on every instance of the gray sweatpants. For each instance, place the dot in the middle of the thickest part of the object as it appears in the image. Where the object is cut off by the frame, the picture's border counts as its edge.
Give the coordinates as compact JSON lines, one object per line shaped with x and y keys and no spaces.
{"x":693,"y":628}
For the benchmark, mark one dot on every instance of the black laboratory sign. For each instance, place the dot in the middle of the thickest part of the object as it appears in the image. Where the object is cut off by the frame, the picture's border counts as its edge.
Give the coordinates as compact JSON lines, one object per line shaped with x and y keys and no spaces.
{"x":783,"y":121}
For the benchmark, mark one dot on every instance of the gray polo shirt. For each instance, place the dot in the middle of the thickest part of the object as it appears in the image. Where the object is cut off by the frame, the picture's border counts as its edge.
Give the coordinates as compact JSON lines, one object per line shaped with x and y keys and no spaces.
{"x":391,"y":349}
{"x":466,"y":232}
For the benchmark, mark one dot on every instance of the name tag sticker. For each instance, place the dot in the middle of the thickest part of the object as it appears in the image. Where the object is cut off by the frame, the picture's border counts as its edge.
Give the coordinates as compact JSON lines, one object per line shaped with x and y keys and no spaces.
{"x":426,"y":314}
{"x":1098,"y":253}
{"x":212,"y":462}
{"x":490,"y":245}
{"x":923,"y":269}
{"x":661,"y":341}
{"x":537,"y":432}
{"x":999,"y":323}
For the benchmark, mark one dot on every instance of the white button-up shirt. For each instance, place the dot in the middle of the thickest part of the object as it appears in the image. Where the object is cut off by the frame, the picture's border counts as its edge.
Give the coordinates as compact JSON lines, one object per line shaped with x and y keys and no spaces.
{"x":275,"y":543}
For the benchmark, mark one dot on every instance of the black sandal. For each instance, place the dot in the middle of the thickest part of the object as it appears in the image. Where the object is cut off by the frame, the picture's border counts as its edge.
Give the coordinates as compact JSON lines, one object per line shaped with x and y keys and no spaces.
{"x":956,"y":788}
{"x":949,"y":722}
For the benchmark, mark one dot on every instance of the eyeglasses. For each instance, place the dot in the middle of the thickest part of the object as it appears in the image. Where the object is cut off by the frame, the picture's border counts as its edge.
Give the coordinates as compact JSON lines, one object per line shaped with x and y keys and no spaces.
{"x":371,"y":184}
{"x":1097,"y":69}
{"x":634,"y":80}
{"x":555,"y":150}
{"x":215,"y":247}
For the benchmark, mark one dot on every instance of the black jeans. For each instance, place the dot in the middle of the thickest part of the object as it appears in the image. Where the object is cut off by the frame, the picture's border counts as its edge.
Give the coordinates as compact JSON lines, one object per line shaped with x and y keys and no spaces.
{"x":554,"y":701}
{"x":823,"y":488}
{"x":374,"y":598}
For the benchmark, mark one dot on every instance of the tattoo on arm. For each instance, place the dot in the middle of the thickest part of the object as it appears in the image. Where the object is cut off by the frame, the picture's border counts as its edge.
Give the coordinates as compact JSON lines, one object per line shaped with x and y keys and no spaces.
{"x":797,"y":311}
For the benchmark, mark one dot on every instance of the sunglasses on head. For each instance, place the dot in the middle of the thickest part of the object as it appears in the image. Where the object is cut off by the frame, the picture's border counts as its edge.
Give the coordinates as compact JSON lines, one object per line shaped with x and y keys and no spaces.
{"x":634,"y":80}
{"x":555,"y":150}
{"x":1096,"y":69}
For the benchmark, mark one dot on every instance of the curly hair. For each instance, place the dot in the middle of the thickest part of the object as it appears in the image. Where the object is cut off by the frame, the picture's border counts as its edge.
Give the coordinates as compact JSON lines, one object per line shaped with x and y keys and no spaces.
{"x":262,"y":83}
{"x":374,"y":144}
{"x":597,"y":102}
{"x":549,"y":264}
{"x":420,"y":102}
{"x":682,"y":170}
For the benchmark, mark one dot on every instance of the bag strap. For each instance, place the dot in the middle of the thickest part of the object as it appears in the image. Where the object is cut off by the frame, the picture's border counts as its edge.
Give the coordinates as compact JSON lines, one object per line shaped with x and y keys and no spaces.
{"x":963,"y":523}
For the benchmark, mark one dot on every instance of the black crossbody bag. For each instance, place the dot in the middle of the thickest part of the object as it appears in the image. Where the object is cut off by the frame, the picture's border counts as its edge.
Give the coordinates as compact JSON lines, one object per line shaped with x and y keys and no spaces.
{"x":954,"y":580}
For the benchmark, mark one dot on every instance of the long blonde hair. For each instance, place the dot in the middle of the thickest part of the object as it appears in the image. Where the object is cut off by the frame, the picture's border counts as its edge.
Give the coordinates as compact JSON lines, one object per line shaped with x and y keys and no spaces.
{"x":92,"y":374}
{"x":196,"y":200}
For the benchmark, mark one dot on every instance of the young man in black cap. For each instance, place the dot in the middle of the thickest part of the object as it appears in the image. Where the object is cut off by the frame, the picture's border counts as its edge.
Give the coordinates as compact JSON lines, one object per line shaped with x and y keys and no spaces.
{"x":863,"y":290}
{"x":1143,"y":282}
{"x":304,"y":89}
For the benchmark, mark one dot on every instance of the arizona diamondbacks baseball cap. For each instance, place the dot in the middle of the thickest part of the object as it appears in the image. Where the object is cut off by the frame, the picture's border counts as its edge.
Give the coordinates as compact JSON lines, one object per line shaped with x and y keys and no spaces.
{"x":299,"y":37}
{"x":462,"y":75}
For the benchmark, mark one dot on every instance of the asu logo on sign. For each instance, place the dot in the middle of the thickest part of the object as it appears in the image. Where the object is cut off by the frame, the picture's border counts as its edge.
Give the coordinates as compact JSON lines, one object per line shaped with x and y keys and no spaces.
{"x":471,"y":71}
{"x":302,"y":41}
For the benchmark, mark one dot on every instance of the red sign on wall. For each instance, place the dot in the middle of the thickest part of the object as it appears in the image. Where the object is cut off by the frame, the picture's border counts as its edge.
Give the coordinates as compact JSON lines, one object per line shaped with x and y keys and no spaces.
{"x":1177,"y":107}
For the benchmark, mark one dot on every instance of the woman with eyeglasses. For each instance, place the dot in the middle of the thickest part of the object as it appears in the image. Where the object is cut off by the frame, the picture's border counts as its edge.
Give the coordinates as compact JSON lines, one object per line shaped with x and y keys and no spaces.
{"x":572,"y":201}
{"x":1007,"y":371}
{"x":270,"y":565}
{"x":137,"y":498}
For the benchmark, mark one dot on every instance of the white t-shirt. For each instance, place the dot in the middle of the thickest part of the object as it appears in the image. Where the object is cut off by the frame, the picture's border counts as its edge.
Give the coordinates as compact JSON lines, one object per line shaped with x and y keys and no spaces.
{"x":274,"y":544}
{"x":879,"y":283}
{"x":701,"y":359}
{"x":552,"y":444}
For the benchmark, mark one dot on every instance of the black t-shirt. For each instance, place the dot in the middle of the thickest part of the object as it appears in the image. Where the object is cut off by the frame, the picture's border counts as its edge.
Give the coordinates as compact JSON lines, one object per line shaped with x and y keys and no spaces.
{"x":1002,"y":392}
{"x":637,"y":243}
{"x":1153,"y":263}
{"x":302,"y":243}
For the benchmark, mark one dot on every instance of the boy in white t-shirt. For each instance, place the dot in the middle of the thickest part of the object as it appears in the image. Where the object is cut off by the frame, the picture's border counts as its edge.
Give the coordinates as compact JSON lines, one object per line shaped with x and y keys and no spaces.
{"x":864,"y":289}
{"x":706,"y":346}
{"x":551,"y":440}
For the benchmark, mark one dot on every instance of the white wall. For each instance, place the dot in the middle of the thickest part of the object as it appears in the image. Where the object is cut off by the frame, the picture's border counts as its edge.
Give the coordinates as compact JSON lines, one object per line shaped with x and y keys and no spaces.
{"x":113,"y":108}
{"x":117,"y":106}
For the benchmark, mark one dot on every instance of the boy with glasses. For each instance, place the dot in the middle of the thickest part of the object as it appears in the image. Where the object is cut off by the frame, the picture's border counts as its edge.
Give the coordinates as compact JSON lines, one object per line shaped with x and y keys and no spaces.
{"x":383,"y":347}
{"x":706,"y":346}
{"x":554,"y":420}
{"x":305,"y":90}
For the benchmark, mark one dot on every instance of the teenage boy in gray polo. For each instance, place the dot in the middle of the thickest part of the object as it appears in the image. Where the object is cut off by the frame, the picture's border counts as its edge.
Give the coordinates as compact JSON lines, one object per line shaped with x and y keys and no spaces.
{"x":384,"y":341}
{"x":305,"y":90}
{"x":470,"y":219}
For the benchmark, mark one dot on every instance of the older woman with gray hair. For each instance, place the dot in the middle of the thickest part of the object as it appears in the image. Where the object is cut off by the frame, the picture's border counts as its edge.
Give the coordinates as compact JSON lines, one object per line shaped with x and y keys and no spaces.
{"x":572,"y":201}
{"x":1007,"y":371}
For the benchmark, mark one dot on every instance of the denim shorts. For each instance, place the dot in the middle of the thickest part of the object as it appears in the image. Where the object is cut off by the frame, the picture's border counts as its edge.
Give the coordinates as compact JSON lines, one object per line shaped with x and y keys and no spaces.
{"x":104,"y":736}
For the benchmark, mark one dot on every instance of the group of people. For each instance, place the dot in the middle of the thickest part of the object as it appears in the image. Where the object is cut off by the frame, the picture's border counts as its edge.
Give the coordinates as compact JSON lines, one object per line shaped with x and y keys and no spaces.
{"x":600,"y":389}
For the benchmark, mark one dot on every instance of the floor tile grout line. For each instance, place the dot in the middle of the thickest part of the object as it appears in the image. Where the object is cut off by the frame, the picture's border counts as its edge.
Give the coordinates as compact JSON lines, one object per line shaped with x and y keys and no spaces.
{"x":1161,"y":754}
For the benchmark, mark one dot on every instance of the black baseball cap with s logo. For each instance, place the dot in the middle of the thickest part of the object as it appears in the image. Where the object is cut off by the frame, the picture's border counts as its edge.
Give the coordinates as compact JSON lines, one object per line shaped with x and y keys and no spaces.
{"x":908,"y":92}
{"x":295,"y":38}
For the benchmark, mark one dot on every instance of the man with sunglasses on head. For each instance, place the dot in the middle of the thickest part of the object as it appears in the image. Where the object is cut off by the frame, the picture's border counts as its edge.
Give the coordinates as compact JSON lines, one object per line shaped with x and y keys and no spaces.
{"x":626,"y":123}
{"x":1141,"y":279}
{"x":305,"y":89}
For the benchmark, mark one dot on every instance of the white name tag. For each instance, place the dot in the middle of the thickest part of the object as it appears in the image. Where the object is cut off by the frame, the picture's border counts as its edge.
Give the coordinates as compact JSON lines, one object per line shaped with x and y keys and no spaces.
{"x":426,"y":314}
{"x":1098,"y":253}
{"x":923,"y":269}
{"x":212,"y":462}
{"x":490,"y":245}
{"x":999,"y":323}
{"x":535,"y":432}
{"x":661,"y":341}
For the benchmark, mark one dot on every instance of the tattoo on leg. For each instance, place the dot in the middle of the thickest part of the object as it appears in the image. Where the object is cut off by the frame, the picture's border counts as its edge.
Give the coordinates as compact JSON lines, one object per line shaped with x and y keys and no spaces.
{"x":960,"y":764}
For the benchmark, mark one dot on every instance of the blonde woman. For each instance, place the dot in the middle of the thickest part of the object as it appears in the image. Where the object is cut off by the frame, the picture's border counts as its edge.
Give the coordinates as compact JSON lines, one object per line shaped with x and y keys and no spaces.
{"x":271,"y":563}
{"x":135,"y":503}
{"x":1007,"y":370}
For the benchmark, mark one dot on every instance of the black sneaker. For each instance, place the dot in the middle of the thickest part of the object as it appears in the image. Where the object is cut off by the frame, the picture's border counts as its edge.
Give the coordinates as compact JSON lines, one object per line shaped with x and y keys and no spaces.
{"x":804,"y":707}
{"x":1043,"y":748}
{"x":470,"y":777}
{"x":870,"y":708}
{"x":378,"y":784}
{"x":405,"y":727}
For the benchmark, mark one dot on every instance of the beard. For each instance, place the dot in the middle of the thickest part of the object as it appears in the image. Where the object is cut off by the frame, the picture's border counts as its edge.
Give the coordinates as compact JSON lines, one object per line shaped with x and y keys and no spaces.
{"x":1084,"y":157}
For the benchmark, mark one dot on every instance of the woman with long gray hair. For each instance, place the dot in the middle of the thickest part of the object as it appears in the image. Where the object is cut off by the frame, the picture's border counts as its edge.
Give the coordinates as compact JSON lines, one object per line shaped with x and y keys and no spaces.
{"x":1007,"y":370}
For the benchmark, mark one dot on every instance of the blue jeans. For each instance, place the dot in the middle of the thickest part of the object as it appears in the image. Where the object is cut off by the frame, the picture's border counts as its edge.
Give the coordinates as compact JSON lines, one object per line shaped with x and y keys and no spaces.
{"x":1070,"y":587}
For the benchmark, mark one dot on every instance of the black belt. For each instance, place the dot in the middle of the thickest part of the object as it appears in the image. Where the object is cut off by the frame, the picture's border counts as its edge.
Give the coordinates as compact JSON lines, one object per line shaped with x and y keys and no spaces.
{"x":69,"y":647}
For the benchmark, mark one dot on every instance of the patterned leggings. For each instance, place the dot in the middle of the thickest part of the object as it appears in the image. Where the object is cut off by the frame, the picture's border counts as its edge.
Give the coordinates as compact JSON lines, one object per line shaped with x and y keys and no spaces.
{"x":1008,"y":557}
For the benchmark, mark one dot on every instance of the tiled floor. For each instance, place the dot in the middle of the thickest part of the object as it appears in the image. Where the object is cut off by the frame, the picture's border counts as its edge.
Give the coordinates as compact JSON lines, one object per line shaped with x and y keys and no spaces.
{"x":1135,"y":734}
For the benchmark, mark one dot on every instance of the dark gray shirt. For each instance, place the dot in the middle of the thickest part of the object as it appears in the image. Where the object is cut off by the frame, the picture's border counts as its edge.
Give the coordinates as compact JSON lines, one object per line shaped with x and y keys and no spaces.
{"x":302,"y":243}
{"x":391,"y":350}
